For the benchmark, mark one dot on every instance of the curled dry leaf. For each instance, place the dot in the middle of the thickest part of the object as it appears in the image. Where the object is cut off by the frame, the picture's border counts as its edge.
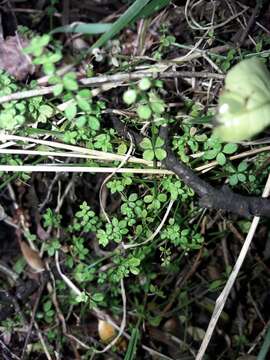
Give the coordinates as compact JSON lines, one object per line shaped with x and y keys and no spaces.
{"x":12,"y":58}
{"x":106,"y":331}
{"x":32,"y":257}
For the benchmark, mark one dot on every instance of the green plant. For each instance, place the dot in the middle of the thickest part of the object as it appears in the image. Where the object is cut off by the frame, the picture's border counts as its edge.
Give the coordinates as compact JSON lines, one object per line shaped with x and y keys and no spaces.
{"x":52,"y":246}
{"x":239,"y":174}
{"x":114,"y":231}
{"x":51,"y":219}
{"x":215,"y":150}
{"x":165,"y":41}
{"x":187,"y":238}
{"x":153,"y":150}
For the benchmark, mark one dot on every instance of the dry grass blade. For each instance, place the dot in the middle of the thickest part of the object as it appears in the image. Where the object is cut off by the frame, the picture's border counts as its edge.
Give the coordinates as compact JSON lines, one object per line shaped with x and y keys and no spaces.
{"x":81,"y":169}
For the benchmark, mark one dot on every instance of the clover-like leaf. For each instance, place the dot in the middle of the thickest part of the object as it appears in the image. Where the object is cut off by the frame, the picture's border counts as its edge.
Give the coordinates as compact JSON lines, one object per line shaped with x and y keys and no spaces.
{"x":244,"y":105}
{"x":159,"y":142}
{"x":71,"y":111}
{"x":70,"y":82}
{"x":144,"y":112}
{"x":148,"y":155}
{"x":160,"y":154}
{"x":146,"y":144}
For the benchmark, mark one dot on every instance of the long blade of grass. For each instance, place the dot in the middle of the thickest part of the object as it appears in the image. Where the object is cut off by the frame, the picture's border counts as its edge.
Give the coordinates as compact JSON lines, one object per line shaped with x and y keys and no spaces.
{"x":132,"y":345}
{"x":152,"y":7}
{"x":121,"y":23}
{"x":83,"y":28}
{"x":265,"y":347}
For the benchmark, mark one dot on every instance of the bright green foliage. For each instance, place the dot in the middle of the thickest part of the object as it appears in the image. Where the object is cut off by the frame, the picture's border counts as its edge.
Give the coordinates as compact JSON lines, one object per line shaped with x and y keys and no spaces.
{"x":226,"y":64}
{"x":187,"y":239}
{"x":52,"y":246}
{"x":48,"y":60}
{"x":157,"y":105}
{"x":78,"y":249}
{"x":144,"y":112}
{"x":125,"y":267}
{"x":129,"y":96}
{"x":48,"y":312}
{"x":85,"y":219}
{"x":37,"y":45}
{"x":215,"y":150}
{"x":187,"y":142}
{"x":114,"y":231}
{"x":118,"y":185}
{"x":69,"y":81}
{"x":153,"y":151}
{"x":165,"y":41}
{"x":144,"y":84}
{"x":239,"y":174}
{"x":51,"y":219}
{"x":244,"y":104}
{"x":176,"y":189}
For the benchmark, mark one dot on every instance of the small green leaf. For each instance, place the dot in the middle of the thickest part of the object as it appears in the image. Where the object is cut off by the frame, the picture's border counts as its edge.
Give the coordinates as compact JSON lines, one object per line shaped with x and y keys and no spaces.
{"x":146,"y":144}
{"x":83,"y":103}
{"x":144,"y":84}
{"x":20,"y":119}
{"x":46,"y":110}
{"x":129,"y":96}
{"x":230,"y":148}
{"x":48,"y":68}
{"x":160,"y":154}
{"x":221,"y":159}
{"x":158,"y":107}
{"x":242,"y":166}
{"x":93,"y":123}
{"x":134,"y":270}
{"x":233,"y":180}
{"x":148,"y":199}
{"x":134,"y":262}
{"x":97,"y":297}
{"x":57,"y":89}
{"x":159,"y":142}
{"x":148,"y":155}
{"x":85,"y":93}
{"x":81,"y":121}
{"x":122,"y":149}
{"x":144,"y":112}
{"x":211,"y":154}
{"x":242,"y":177}
{"x":70,"y":82}
{"x":71,"y":111}
{"x":162,"y":197}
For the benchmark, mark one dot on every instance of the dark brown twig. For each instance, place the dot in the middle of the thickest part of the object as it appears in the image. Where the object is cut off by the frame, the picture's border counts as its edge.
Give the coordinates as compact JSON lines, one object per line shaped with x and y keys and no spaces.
{"x":211,"y":198}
